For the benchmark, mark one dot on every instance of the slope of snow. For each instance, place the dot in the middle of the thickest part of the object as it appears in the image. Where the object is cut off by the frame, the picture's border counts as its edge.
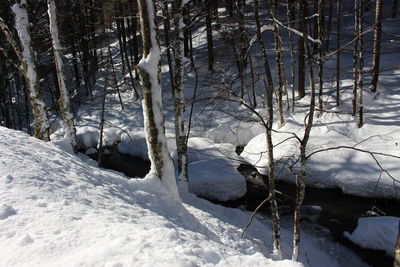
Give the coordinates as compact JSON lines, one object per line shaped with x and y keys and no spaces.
{"x":379,"y":233}
{"x":58,"y":210}
{"x":55,"y":210}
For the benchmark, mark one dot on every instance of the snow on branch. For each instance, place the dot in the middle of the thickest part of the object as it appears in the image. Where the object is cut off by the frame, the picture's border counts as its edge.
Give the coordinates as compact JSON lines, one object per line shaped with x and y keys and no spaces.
{"x":296,"y":31}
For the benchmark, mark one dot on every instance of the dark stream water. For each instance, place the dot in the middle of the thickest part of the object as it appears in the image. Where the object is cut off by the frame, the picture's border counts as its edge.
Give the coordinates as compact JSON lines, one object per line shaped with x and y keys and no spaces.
{"x":329,"y":208}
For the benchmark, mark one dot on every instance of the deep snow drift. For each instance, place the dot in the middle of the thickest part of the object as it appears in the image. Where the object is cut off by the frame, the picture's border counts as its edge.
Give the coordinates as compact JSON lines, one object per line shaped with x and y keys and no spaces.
{"x":59,"y":210}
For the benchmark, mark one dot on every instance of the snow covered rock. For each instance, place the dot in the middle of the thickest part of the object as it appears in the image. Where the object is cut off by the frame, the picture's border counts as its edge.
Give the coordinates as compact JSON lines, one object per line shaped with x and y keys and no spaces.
{"x":379,"y":233}
{"x":134,"y":143}
{"x":216,"y":179}
{"x":200,"y":148}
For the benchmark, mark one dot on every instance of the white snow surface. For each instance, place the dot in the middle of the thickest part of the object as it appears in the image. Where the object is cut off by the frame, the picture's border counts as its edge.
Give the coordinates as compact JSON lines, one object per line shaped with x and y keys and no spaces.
{"x":355,"y":172}
{"x":216,"y":179}
{"x":379,"y":233}
{"x":60,"y":210}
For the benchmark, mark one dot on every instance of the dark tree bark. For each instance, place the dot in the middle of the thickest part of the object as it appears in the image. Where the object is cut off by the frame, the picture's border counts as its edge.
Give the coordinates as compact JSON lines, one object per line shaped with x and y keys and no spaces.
{"x":376,"y":53}
{"x":338,"y":29}
{"x":210,"y":45}
{"x":301,"y":50}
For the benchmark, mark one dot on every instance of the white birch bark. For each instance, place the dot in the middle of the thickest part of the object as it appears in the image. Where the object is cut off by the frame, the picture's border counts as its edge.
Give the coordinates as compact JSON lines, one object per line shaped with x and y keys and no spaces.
{"x":64,"y":103}
{"x":150,"y":73}
{"x":42,"y":126}
{"x":181,"y":143}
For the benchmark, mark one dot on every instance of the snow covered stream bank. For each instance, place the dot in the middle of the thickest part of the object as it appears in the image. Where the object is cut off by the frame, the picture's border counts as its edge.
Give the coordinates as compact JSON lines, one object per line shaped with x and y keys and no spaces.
{"x":60,"y":210}
{"x":329,"y":208}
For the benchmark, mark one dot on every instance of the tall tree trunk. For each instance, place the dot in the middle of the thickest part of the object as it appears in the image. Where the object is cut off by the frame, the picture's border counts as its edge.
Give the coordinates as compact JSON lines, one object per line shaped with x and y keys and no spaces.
{"x":64,"y":103}
{"x":42,"y":126}
{"x":167,"y":31}
{"x":394,"y":8}
{"x":210,"y":45}
{"x":180,"y":137}
{"x":301,"y":50}
{"x":301,"y":178}
{"x":291,"y":18}
{"x":320,"y":55}
{"x":270,"y":183}
{"x":376,"y":53}
{"x":360,"y":64}
{"x":279,"y":63}
{"x":355,"y":60}
{"x":338,"y":16}
{"x":150,"y":75}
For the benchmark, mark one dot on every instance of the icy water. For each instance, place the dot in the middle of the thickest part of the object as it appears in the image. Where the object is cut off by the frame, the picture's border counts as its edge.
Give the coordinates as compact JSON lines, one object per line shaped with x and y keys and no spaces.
{"x":329,"y":208}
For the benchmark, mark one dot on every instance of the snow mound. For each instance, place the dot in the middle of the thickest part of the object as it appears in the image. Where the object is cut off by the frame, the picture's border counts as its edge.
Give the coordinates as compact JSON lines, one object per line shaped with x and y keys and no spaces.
{"x":134,"y":143}
{"x":379,"y":233}
{"x":236,"y":133}
{"x":70,"y":213}
{"x":216,"y":179}
{"x":200,"y":148}
{"x":355,"y":172}
{"x":6,"y":211}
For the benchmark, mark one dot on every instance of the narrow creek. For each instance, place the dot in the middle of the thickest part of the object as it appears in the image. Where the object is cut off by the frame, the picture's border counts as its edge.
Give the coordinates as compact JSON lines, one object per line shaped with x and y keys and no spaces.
{"x":329,"y":208}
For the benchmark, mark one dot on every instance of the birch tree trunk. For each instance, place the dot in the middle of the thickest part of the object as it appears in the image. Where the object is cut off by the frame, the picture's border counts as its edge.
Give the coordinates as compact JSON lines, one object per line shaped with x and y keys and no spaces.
{"x":355,"y":60}
{"x":65,"y":107}
{"x":42,"y":126}
{"x":150,"y":75}
{"x":291,"y":18}
{"x":360,"y":64}
{"x":180,"y":136}
{"x":338,"y":14}
{"x":271,"y":168}
{"x":301,"y":51}
{"x":301,"y":178}
{"x":279,"y":63}
{"x":320,"y":55}
{"x":376,"y":52}
{"x":210,"y":45}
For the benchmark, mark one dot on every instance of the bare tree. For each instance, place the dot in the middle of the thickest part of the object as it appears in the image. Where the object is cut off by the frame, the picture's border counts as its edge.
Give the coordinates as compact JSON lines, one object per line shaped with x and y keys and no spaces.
{"x":320,"y":55}
{"x":28,"y":67}
{"x":301,"y":178}
{"x":376,"y":52}
{"x":301,"y":51}
{"x":180,"y":135}
{"x":150,"y":74}
{"x":64,"y":103}
{"x":355,"y":59}
{"x":279,"y":63}
{"x":268,"y":130}
{"x":338,"y":17}
{"x":360,"y":18}
{"x":210,"y":45}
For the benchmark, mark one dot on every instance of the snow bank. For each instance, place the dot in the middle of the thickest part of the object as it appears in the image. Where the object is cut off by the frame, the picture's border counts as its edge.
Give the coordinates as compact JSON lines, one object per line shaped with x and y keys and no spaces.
{"x":58,"y":211}
{"x":211,"y":166}
{"x":134,"y":143}
{"x":216,"y":179}
{"x":238,"y":133}
{"x":200,"y":148}
{"x":379,"y":233}
{"x":355,"y":172}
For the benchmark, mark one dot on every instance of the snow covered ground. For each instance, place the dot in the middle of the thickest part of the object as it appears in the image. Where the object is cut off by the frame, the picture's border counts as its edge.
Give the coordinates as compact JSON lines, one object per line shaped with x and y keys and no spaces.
{"x":379,"y":233}
{"x":57,"y":209}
